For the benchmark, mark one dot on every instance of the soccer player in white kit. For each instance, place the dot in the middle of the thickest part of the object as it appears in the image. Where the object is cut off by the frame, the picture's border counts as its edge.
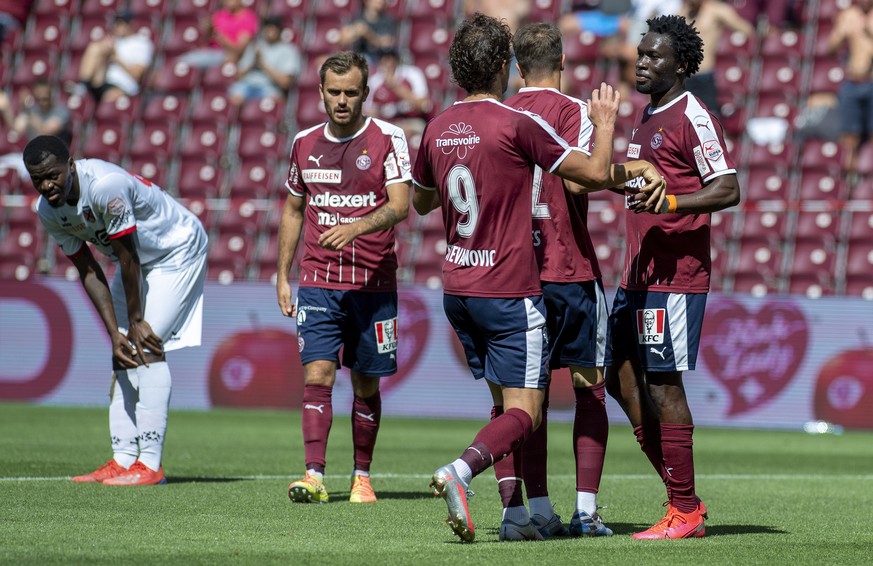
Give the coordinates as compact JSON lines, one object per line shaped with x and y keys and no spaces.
{"x":153,"y":305}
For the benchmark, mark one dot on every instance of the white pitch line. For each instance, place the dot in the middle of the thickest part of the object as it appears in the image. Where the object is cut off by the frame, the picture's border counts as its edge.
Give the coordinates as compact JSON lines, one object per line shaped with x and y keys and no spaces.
{"x":743,"y":477}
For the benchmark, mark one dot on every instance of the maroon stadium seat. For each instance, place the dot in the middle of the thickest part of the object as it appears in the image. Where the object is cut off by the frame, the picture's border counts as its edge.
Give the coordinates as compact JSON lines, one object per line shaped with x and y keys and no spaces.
{"x":323,"y":36}
{"x":814,"y":258}
{"x":177,"y":77}
{"x":33,"y":66}
{"x":156,"y":170}
{"x":49,"y":33}
{"x":432,"y":10}
{"x":264,"y":112}
{"x":296,"y":9}
{"x":821,"y":155}
{"x":767,"y":183}
{"x":859,"y":260}
{"x":194,"y":9}
{"x":773,"y":154}
{"x":203,"y":141}
{"x":860,"y":226}
{"x":154,"y":140}
{"x":241,"y":218}
{"x":166,"y":108}
{"x":123,"y":110}
{"x":254,"y":180}
{"x":232,"y":245}
{"x":92,"y":28}
{"x":722,"y":224}
{"x":260,"y":143}
{"x":827,"y":75}
{"x":429,"y":36}
{"x":863,"y":189}
{"x":784,"y":43}
{"x":221,"y":76}
{"x":101,"y":8}
{"x":581,"y":77}
{"x":310,"y":109}
{"x":582,"y":47}
{"x":199,"y":178}
{"x":781,"y":76}
{"x":779,"y":105}
{"x":150,"y":8}
{"x":184,"y":36}
{"x":821,"y":185}
{"x":66,"y":8}
{"x":765,"y":226}
{"x":214,"y":107}
{"x":544,"y":11}
{"x":864,"y":159}
{"x":342,"y":9}
{"x":106,"y":140}
{"x":225,"y":269}
{"x":811,"y":285}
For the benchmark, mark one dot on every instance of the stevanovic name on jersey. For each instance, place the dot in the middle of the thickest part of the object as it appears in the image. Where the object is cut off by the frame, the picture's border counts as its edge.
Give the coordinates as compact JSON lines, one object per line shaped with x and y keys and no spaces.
{"x":481,"y":157}
{"x":112,"y":203}
{"x":560,"y":219}
{"x":670,"y":252}
{"x":346,"y":179}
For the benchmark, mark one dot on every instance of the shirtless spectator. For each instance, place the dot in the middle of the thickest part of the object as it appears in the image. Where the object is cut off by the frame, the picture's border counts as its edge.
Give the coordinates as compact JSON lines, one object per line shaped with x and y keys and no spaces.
{"x":854,"y":29}
{"x":114,"y":65}
{"x":229,"y":31}
{"x":711,"y":18}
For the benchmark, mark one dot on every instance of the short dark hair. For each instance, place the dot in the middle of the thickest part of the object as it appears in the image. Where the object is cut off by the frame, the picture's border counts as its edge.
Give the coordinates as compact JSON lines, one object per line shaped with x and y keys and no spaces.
{"x":41,"y":148}
{"x":343,"y":62}
{"x":684,"y":38}
{"x":538,"y":48}
{"x":481,"y":46}
{"x":275,"y":21}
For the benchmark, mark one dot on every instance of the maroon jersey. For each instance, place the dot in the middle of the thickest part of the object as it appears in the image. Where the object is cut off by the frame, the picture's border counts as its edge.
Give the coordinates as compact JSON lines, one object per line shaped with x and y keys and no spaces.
{"x":562,"y":244}
{"x":670,"y":252}
{"x":481,"y":157}
{"x":346,"y":179}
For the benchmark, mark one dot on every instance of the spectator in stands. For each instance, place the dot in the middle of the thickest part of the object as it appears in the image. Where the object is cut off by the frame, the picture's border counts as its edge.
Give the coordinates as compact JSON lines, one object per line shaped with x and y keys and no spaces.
{"x":269,"y":66}
{"x":114,"y":65}
{"x":229,"y":31}
{"x":854,"y":28}
{"x":513,"y":12}
{"x":372,"y":31}
{"x":13,"y":15}
{"x":711,"y":18}
{"x":399,"y":93}
{"x":41,"y":115}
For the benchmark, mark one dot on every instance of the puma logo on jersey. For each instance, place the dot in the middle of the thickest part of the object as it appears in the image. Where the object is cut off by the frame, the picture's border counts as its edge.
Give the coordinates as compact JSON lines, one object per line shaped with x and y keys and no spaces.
{"x":319,"y":408}
{"x":316,"y":160}
{"x":668,"y":470}
{"x":661,"y":353}
{"x":371,"y":417}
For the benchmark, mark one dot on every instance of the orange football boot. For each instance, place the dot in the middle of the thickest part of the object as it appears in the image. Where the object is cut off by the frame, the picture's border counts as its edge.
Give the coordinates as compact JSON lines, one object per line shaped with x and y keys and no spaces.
{"x":675,"y":524}
{"x":110,"y":469}
{"x":139,"y":474}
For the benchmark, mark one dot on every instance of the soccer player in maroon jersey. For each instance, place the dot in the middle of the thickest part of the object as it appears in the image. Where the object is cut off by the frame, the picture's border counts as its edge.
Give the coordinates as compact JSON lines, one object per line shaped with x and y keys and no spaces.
{"x":477,"y":162}
{"x":355,"y":171}
{"x":576,"y":309}
{"x":658,"y":310}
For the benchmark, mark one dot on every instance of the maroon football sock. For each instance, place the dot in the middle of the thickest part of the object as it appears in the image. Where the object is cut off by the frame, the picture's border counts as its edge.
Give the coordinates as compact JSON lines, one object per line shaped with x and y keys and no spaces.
{"x":317,"y":417}
{"x":677,"y":446}
{"x":590,"y":434}
{"x":535,"y":453}
{"x":366,"y":415}
{"x":497,"y":439}
{"x":508,"y":473}
{"x":649,"y":439}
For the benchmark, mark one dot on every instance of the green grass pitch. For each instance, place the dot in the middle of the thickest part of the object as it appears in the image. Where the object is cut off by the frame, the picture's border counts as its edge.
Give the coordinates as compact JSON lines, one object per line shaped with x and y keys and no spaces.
{"x":773,"y":497}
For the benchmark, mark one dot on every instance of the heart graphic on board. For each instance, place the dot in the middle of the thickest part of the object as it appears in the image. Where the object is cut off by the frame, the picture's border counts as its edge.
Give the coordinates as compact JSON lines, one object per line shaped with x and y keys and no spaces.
{"x":753,"y":354}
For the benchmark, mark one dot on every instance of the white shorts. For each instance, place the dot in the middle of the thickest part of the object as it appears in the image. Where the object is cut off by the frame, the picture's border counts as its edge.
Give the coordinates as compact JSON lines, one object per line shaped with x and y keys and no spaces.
{"x":173,"y":303}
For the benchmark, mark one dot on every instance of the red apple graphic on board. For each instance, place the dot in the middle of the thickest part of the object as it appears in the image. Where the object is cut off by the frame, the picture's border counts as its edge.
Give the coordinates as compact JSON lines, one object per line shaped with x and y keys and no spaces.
{"x":844,"y":390}
{"x":257,"y":368}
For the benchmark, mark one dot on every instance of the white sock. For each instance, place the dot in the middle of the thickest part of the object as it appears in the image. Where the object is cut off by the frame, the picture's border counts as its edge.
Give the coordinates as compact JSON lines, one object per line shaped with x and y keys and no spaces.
{"x":123,"y":396}
{"x":463,"y":470}
{"x":317,"y":475}
{"x":151,"y":412}
{"x":517,"y":515}
{"x":586,"y":501}
{"x":362,"y":473}
{"x":541,"y":506}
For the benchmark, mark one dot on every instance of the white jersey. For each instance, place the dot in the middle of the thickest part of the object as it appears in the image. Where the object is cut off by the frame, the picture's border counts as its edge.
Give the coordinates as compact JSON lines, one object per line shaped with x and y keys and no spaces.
{"x":113,"y":203}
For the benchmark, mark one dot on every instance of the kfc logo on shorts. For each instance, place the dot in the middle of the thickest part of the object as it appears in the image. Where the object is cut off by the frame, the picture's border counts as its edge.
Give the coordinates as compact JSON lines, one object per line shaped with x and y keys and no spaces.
{"x":386,"y":335}
{"x":650,"y":326}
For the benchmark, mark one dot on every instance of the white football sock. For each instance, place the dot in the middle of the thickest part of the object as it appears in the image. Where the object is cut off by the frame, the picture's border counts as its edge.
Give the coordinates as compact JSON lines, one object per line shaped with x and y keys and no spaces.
{"x":586,"y":501}
{"x":517,"y":515}
{"x":123,"y":397}
{"x":317,"y":475}
{"x":362,"y":473}
{"x":151,"y":411}
{"x":541,"y":506}
{"x":464,"y":471}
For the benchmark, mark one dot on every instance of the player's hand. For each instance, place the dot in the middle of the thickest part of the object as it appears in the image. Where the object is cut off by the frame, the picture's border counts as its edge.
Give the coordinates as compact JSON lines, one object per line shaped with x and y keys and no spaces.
{"x":142,"y":337}
{"x":653,"y":194}
{"x":338,"y":237}
{"x":603,"y":105}
{"x":122,"y":350}
{"x":283,"y":294}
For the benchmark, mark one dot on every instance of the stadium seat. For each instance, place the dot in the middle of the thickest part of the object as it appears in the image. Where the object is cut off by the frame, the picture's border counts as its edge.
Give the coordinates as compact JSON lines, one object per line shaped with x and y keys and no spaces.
{"x":608,"y":221}
{"x":166,"y":109}
{"x":263,"y":112}
{"x":722,"y":224}
{"x":21,"y":218}
{"x":733,"y":79}
{"x":310,"y":109}
{"x":432,"y":10}
{"x":201,"y":209}
{"x":98,"y":7}
{"x":435,"y":69}
{"x":429,"y":36}
{"x":203,"y":141}
{"x":859,"y":286}
{"x":153,"y":169}
{"x":150,"y":8}
{"x":105,"y":141}
{"x":11,"y":183}
{"x":864,"y":159}
{"x":199,"y":178}
{"x":780,"y":154}
{"x":821,"y":185}
{"x":788,"y":43}
{"x":323,"y":36}
{"x":863,"y":189}
{"x":33,"y":66}
{"x":67,"y":8}
{"x":256,"y":180}
{"x":765,"y":226}
{"x":154,"y":140}
{"x":121,"y":111}
{"x":91,"y":28}
{"x":860,"y":226}
{"x":261,"y":144}
{"x":309,"y":78}
{"x":827,"y":10}
{"x":175,"y":77}
{"x":780,"y":76}
{"x":232,"y":246}
{"x":219,"y":77}
{"x":734,"y":116}
{"x":859,"y":259}
{"x":342,"y":9}
{"x":610,"y":258}
{"x":811,"y":285}
{"x":737,"y":45}
{"x":827,"y":75}
{"x":765,"y":182}
{"x":779,"y":105}
{"x":241,"y":218}
{"x":544,"y":11}
{"x":291,"y":9}
{"x":581,"y":77}
{"x":225,"y":269}
{"x":214,"y":107}
{"x":582,"y":47}
{"x":81,"y":106}
{"x":720,"y":253}
{"x":821,"y":155}
{"x":194,"y":9}
{"x":48,"y":33}
{"x":184,"y":36}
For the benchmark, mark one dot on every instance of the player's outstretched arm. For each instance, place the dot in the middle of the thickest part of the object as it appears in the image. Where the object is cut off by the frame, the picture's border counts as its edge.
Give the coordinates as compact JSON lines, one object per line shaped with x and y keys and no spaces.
{"x":720,"y":193}
{"x":424,"y":200}
{"x":95,"y":284}
{"x":392,"y":212}
{"x":139,"y":333}
{"x":290,"y":226}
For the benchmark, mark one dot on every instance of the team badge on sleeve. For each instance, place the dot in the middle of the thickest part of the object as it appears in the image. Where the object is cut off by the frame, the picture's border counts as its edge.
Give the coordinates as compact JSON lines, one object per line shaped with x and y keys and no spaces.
{"x":650,"y":325}
{"x":386,"y":335}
